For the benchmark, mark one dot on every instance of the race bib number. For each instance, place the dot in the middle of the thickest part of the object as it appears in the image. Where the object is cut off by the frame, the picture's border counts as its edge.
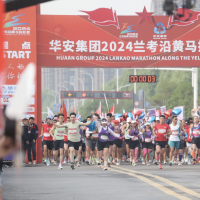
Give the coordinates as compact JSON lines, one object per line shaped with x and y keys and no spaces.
{"x":147,"y":139}
{"x":175,"y":132}
{"x":196,"y":133}
{"x":135,"y":138}
{"x":46,"y":135}
{"x":60,"y":133}
{"x":95,"y":135}
{"x":72,"y":131}
{"x":104,"y":137}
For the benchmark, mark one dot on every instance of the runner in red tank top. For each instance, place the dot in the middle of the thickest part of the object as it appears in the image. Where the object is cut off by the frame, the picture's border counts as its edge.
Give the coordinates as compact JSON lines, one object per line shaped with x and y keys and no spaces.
{"x":162,"y":130}
{"x":47,"y":140}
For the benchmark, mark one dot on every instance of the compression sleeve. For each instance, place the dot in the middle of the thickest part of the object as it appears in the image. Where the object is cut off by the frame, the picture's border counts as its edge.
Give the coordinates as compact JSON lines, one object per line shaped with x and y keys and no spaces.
{"x":112,"y":133}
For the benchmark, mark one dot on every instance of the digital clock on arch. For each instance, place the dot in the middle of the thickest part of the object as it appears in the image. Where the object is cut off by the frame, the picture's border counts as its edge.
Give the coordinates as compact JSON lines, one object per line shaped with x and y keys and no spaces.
{"x":142,"y":79}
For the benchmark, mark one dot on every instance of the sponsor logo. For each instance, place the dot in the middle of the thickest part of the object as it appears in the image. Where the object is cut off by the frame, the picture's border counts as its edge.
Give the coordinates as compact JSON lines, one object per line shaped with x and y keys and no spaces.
{"x":128,"y":32}
{"x":3,"y":90}
{"x":15,"y":21}
{"x":160,"y":28}
{"x":161,"y":131}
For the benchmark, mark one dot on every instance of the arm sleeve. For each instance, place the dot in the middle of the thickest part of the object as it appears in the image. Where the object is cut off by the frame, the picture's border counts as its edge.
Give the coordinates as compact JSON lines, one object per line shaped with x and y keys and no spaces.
{"x":186,"y":135}
{"x":98,"y":126}
{"x":128,"y":136}
{"x":112,"y":133}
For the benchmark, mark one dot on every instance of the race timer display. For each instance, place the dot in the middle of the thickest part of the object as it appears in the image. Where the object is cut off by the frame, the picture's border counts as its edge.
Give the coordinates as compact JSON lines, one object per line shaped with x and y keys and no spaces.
{"x":142,"y":79}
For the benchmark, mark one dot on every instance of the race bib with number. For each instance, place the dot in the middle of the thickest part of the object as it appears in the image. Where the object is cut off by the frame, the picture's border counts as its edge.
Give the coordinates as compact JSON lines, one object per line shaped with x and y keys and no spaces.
{"x":60,"y":133}
{"x":72,"y":131}
{"x":46,"y":134}
{"x":135,"y":138}
{"x":175,"y":132}
{"x":147,"y":139}
{"x":104,"y":137}
{"x":95,"y":135}
{"x":196,"y":133}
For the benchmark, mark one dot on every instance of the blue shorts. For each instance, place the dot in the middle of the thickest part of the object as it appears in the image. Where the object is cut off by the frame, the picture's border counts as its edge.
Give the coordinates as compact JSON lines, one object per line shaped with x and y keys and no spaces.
{"x":175,"y":144}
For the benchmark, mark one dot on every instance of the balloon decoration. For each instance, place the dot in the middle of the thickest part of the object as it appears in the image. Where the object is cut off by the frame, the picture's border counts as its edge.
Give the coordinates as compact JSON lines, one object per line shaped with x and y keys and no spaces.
{"x":92,"y":126}
{"x":168,"y":113}
{"x":130,"y":115}
{"x":138,"y":113}
{"x":118,"y":115}
{"x":78,"y":117}
{"x":124,"y":111}
{"x":119,"y":119}
{"x":128,"y":119}
{"x":158,"y":113}
{"x":152,"y":118}
{"x":141,"y":116}
{"x":176,"y":111}
{"x":125,"y":116}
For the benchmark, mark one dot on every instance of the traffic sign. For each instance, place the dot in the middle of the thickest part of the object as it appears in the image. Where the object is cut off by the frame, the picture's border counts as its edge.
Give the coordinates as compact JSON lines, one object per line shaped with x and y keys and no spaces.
{"x":56,"y":107}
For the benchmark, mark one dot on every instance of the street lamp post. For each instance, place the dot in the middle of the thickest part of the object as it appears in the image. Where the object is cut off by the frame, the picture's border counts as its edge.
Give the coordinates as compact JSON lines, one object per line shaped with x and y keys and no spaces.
{"x":123,"y":87}
{"x":103,"y":77}
{"x":58,"y":95}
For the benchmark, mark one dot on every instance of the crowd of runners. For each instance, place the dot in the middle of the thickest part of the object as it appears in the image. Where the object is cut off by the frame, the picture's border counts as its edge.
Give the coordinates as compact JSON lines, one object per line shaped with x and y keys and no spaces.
{"x":113,"y":140}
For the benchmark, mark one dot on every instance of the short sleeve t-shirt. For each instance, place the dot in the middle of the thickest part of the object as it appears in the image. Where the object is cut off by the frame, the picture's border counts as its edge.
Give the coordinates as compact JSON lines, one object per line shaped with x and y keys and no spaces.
{"x":46,"y":132}
{"x":161,"y":129}
{"x":74,"y":131}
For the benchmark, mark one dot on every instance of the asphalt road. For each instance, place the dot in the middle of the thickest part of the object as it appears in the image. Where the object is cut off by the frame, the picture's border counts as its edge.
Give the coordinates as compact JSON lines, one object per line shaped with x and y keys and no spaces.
{"x":90,"y":182}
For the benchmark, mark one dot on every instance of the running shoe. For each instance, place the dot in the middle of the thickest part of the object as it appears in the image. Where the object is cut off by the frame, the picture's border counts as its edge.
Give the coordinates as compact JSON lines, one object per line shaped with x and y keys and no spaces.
{"x":93,"y":161}
{"x":170,"y":163}
{"x":34,"y":162}
{"x":143,"y":163}
{"x":117,"y":163}
{"x":134,"y":164}
{"x":113,"y":162}
{"x":72,"y":165}
{"x":78,"y":164}
{"x":189,"y":162}
{"x":150,"y":160}
{"x":109,"y":164}
{"x":194,"y":162}
{"x":45,"y":161}
{"x":99,"y":164}
{"x":148,"y":164}
{"x":48,"y":163}
{"x":179,"y":164}
{"x":128,"y":159}
{"x":65,"y":161}
{"x":87,"y":162}
{"x":60,"y":166}
{"x":105,"y":168}
{"x":165,"y":162}
{"x":29,"y":163}
{"x":160,"y":166}
{"x":55,"y":162}
{"x":197,"y":160}
{"x":156,"y":162}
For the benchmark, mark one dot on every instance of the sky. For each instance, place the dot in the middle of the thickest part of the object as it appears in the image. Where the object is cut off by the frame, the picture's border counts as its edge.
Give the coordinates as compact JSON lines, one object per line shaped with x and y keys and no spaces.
{"x":72,"y":7}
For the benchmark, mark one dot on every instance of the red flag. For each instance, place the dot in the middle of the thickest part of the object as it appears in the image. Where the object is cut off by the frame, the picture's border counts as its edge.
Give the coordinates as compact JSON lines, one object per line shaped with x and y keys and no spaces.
{"x":63,"y":109}
{"x":184,"y":17}
{"x":103,"y":17}
{"x":99,"y":110}
{"x":112,"y":110}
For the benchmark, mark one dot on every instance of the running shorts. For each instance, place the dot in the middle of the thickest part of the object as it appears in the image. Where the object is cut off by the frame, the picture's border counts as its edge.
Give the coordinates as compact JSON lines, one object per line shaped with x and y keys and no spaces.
{"x":147,"y":145}
{"x":111,"y":143}
{"x":83,"y":147}
{"x":118,"y":143}
{"x":196,"y":141}
{"x":182,"y":145}
{"x":189,"y":144}
{"x":76,"y":145}
{"x":175,"y":144}
{"x":134,"y":144}
{"x":49,"y":144}
{"x":123,"y":144}
{"x":66,"y":142}
{"x":162,"y":144}
{"x":127,"y":141}
{"x":58,"y":144}
{"x":102,"y":145}
{"x":91,"y":143}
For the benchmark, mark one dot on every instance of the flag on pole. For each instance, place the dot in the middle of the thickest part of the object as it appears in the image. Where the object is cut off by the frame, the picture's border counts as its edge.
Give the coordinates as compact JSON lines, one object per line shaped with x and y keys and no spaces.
{"x":50,"y":113}
{"x":112,"y":110}
{"x":106,"y":100}
{"x":63,"y":109}
{"x":99,"y":110}
{"x":74,"y":110}
{"x":78,"y":113}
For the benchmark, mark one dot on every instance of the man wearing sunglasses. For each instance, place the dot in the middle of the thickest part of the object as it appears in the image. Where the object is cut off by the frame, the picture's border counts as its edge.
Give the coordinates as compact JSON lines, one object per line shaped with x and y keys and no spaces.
{"x":175,"y":137}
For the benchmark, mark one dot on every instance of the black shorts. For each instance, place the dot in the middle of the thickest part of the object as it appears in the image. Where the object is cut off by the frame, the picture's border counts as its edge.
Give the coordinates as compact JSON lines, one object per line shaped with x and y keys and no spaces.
{"x":66,"y":142}
{"x":196,"y":141}
{"x":127,"y":141}
{"x":147,"y":145}
{"x":162,"y":144}
{"x":102,"y":145}
{"x":111,"y":143}
{"x":182,"y":145}
{"x":49,"y":144}
{"x":58,"y":144}
{"x":134,"y":144}
{"x":83,"y":147}
{"x":118,"y":143}
{"x":76,"y":145}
